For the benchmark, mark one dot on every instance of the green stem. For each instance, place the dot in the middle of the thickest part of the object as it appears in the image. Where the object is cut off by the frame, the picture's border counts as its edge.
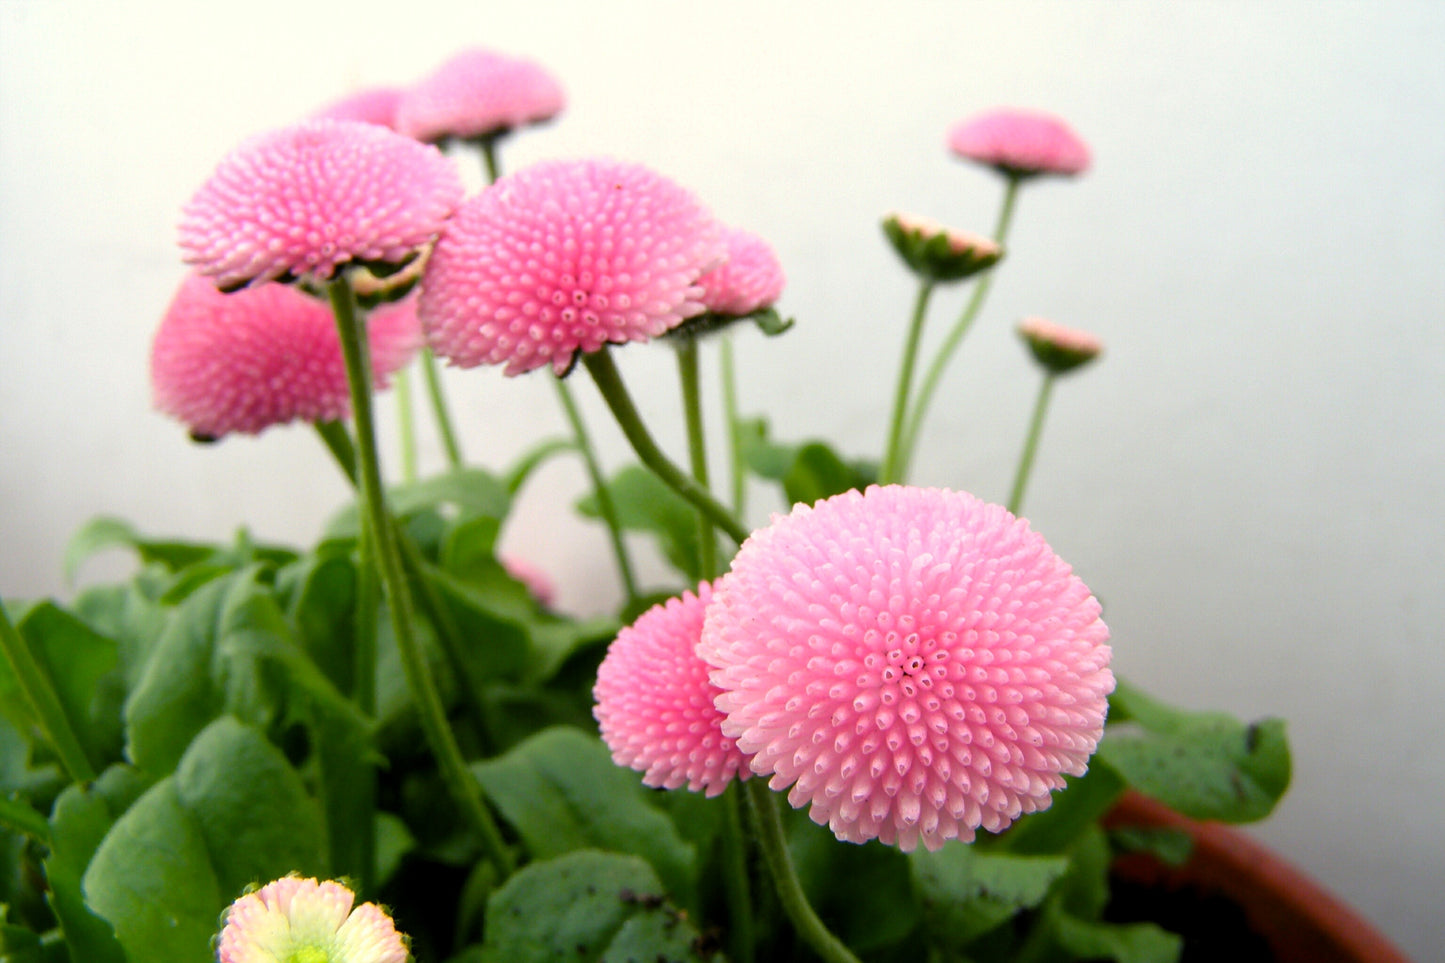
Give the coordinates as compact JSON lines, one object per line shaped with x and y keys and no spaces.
{"x":736,"y":884}
{"x":432,"y":713}
{"x":1031,"y":444}
{"x":605,"y":505}
{"x":406,"y":424}
{"x":735,"y":425}
{"x":955,"y":337}
{"x":609,"y":381}
{"x":687,"y":373}
{"x":785,"y":878}
{"x":38,"y":691}
{"x":21,"y":817}
{"x":890,"y":471}
{"x":489,"y":156}
{"x":439,"y":408}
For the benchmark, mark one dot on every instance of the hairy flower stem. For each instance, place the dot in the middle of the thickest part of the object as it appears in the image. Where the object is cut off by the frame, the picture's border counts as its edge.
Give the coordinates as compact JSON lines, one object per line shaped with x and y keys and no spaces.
{"x":950,"y":344}
{"x":452,"y":766}
{"x":890,"y":471}
{"x":39,"y":693}
{"x":687,"y":373}
{"x":1031,"y":444}
{"x":406,"y":424}
{"x":439,"y":408}
{"x":737,"y":885}
{"x":609,"y":381}
{"x":605,"y":506}
{"x":764,"y":807}
{"x":734,"y":422}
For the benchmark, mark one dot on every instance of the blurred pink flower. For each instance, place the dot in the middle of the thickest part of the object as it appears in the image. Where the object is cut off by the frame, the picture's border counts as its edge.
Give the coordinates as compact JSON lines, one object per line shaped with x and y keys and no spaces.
{"x":914,"y":663}
{"x":306,"y":199}
{"x":749,"y":280}
{"x":538,"y":583}
{"x":1020,"y":143}
{"x":295,"y":919}
{"x":373,"y":105}
{"x":562,"y":257}
{"x":476,"y":93}
{"x":241,"y":362}
{"x":655,"y":703}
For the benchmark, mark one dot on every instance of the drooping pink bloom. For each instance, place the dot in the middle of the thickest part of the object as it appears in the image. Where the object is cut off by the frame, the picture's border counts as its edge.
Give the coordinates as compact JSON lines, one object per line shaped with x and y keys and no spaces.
{"x":655,"y":703}
{"x":1056,"y":347}
{"x":562,"y":257}
{"x":1020,"y":143}
{"x":295,"y":919}
{"x":306,"y":199}
{"x":241,"y":362}
{"x":477,"y":93}
{"x":749,"y":280}
{"x":372,"y":105}
{"x":913,"y":663}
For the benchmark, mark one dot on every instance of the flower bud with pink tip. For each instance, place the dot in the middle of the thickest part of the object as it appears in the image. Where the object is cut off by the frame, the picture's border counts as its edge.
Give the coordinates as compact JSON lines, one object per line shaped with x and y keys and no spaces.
{"x":1020,"y":143}
{"x":936,"y":252}
{"x":267,"y":355}
{"x":655,"y":703}
{"x":1057,"y":348}
{"x":565,"y":257}
{"x":305,"y":200}
{"x":912,"y":664}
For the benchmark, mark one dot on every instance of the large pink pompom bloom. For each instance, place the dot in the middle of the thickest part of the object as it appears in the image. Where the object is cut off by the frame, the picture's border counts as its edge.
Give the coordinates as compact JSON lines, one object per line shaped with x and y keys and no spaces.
{"x":562,"y":257}
{"x":241,"y":362}
{"x":749,"y":280}
{"x":479,"y":92}
{"x":655,"y":703}
{"x":306,"y":199}
{"x":302,"y":919}
{"x":914,"y":663}
{"x":1020,"y":143}
{"x":371,"y":105}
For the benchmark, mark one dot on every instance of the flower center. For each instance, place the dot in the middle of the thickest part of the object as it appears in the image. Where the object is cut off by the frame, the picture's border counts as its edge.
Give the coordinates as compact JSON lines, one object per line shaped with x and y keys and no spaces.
{"x":308,"y":954}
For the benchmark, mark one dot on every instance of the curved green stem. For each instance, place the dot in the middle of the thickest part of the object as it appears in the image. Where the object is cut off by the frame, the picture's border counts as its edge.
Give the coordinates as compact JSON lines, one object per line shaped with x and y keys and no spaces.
{"x":609,"y":381}
{"x":605,"y":505}
{"x":687,"y":373}
{"x":432,"y":713}
{"x":955,"y":336}
{"x":734,"y":422}
{"x":439,"y":408}
{"x":1031,"y":444}
{"x":737,"y":886}
{"x":890,"y":471}
{"x":489,"y":156}
{"x":38,"y":691}
{"x":774,"y":846}
{"x":406,"y":424}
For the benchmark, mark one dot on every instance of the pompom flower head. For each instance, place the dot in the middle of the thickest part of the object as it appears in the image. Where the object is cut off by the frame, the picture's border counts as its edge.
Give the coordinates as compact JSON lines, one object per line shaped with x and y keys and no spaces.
{"x":295,"y":920}
{"x":1020,"y":143}
{"x":655,"y":703}
{"x":372,"y":105}
{"x":562,"y":257}
{"x":749,"y":280}
{"x":307,"y":199}
{"x":913,"y":663}
{"x":241,"y":362}
{"x":937,"y":252}
{"x":479,"y":93}
{"x":1057,"y":348}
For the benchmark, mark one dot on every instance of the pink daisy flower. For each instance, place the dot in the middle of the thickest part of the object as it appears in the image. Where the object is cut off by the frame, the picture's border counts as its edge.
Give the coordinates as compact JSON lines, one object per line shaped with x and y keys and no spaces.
{"x":295,"y":919}
{"x":307,"y":199}
{"x":1057,"y":348}
{"x":372,"y":105}
{"x":478,"y":93}
{"x":655,"y":703}
{"x":562,"y":257}
{"x":749,"y":280}
{"x":241,"y":362}
{"x":913,"y":663}
{"x":1020,"y":143}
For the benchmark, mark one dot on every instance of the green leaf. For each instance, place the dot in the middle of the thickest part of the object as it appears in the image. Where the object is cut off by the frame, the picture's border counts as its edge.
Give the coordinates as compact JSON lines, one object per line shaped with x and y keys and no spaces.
{"x":966,"y":893}
{"x":1074,"y":810}
{"x":590,"y":907}
{"x":561,"y":792}
{"x":873,"y":868}
{"x":469,"y":491}
{"x":1206,"y":765}
{"x":131,"y":615}
{"x":533,"y":459}
{"x":1121,"y":942}
{"x":79,"y":822}
{"x":322,"y":607}
{"x":645,"y":503}
{"x":807,"y":472}
{"x":103,"y":533}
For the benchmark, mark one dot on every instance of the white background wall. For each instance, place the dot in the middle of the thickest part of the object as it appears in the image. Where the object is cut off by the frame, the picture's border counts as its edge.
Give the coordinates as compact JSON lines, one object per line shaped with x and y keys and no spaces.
{"x":1251,"y":479}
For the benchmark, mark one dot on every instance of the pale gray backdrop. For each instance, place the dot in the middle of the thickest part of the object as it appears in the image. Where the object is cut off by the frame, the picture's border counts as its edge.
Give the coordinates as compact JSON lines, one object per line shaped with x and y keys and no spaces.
{"x":1250,"y":479}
